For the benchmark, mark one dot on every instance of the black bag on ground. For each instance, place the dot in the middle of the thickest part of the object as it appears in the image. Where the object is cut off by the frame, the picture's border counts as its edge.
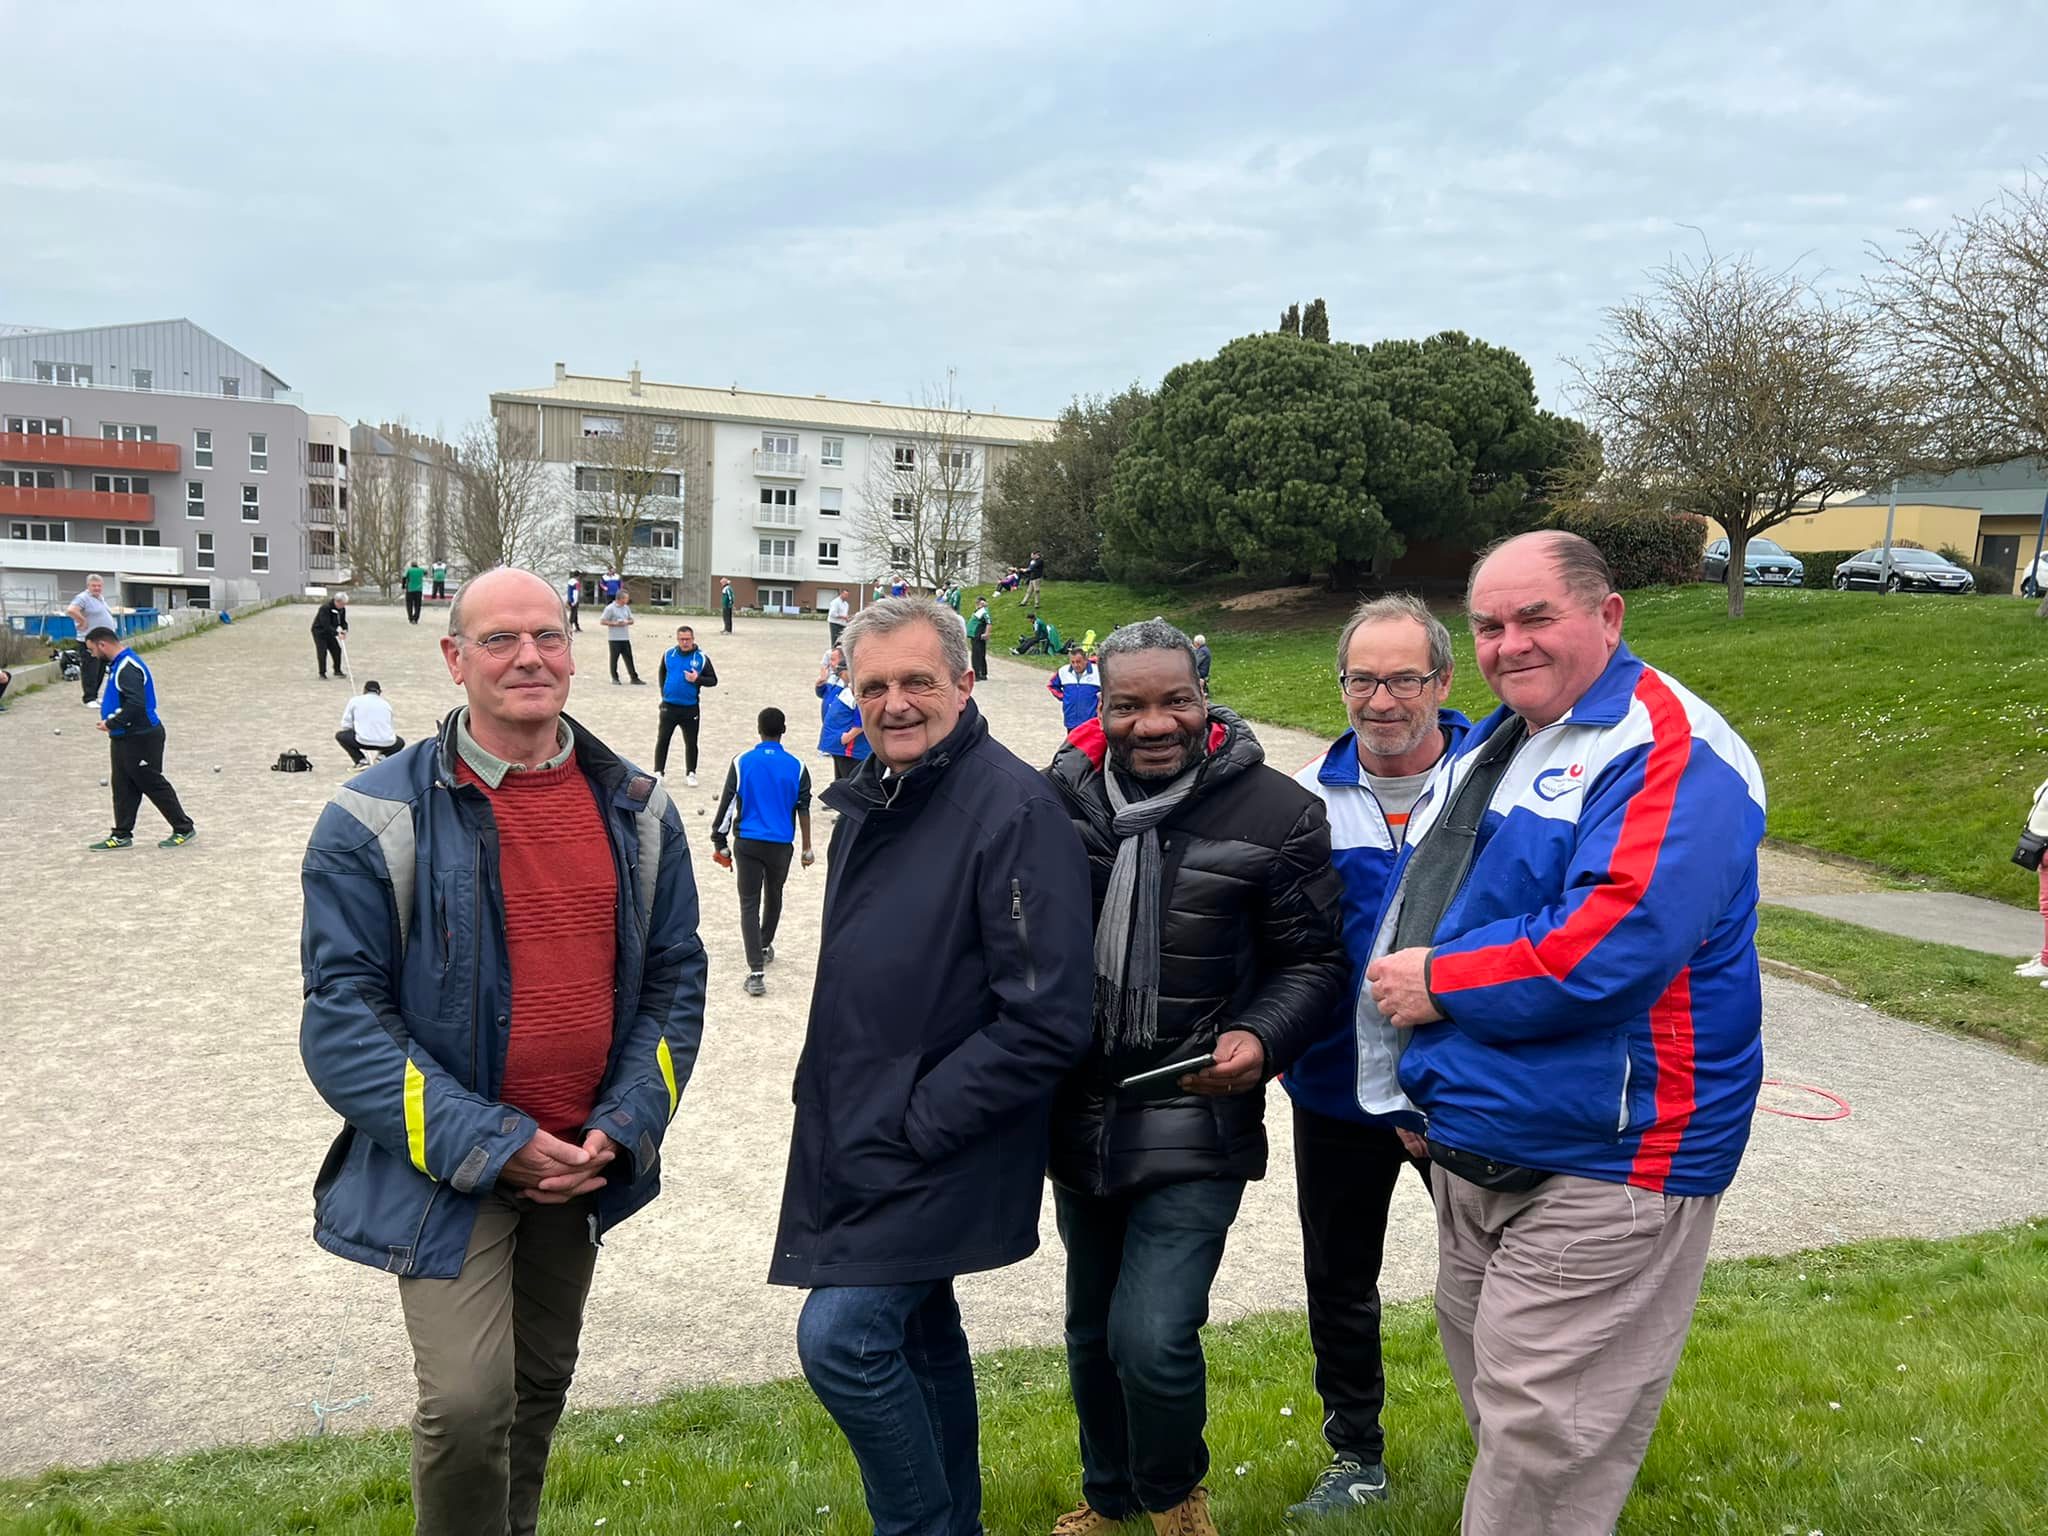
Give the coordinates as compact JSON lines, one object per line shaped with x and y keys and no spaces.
{"x":292,"y":760}
{"x":2028,"y":854}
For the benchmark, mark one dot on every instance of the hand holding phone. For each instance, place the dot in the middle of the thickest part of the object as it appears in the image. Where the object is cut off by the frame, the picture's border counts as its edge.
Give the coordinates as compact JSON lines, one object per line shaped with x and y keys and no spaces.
{"x":1173,"y":1069}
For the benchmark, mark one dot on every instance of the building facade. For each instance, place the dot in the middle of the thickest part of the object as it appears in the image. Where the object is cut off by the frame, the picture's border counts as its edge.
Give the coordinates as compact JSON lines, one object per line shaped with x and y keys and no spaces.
{"x":787,"y":496}
{"x":154,"y":455}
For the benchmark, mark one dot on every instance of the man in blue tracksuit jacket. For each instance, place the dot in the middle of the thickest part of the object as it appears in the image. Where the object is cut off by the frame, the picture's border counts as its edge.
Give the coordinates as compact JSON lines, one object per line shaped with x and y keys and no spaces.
{"x":1078,"y":687}
{"x":1394,"y":671}
{"x":684,"y":672}
{"x":1579,"y":982}
{"x":765,"y":803}
{"x":839,"y":734}
{"x":135,"y":740}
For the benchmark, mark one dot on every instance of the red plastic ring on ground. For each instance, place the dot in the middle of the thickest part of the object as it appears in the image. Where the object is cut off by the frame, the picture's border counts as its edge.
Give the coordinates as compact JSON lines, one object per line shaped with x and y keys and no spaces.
{"x":1840,"y":1111}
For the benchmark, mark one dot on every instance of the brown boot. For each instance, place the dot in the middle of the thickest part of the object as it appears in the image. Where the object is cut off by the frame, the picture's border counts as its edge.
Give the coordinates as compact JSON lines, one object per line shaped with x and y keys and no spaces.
{"x":1190,"y":1517}
{"x":1084,"y":1520}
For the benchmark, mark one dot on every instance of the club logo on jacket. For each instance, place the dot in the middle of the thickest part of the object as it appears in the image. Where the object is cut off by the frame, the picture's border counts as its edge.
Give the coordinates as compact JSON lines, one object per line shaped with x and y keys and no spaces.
{"x":1559,"y":782}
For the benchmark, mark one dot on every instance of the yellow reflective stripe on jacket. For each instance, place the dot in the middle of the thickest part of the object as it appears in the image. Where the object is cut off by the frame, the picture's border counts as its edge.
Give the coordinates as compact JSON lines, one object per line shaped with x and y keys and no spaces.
{"x":668,"y":1073}
{"x":416,"y":1116}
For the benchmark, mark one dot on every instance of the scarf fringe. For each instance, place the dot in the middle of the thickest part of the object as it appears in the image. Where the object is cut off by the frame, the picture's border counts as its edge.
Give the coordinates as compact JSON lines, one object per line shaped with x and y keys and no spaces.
{"x":1126,"y":1018}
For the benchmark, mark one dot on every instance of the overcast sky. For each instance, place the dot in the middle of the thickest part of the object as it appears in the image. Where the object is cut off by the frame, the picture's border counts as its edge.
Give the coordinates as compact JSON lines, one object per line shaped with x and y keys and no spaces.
{"x":401,"y":207}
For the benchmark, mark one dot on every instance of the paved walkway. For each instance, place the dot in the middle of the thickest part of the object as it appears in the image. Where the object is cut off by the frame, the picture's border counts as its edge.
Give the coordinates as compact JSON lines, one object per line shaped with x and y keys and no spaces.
{"x":163,"y":1292}
{"x":1935,"y":917}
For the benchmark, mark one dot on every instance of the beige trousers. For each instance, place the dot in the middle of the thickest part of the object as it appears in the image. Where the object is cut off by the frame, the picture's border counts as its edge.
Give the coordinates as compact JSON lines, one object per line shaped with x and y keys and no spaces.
{"x":1563,"y":1311}
{"x":494,"y":1350}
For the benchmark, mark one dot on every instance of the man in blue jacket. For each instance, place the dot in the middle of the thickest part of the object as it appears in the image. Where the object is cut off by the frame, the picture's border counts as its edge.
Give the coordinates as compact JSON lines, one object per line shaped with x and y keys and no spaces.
{"x":952,"y":993}
{"x":135,"y":742}
{"x":685,"y":671}
{"x":504,"y":993}
{"x":1575,"y":960}
{"x":1078,"y":687}
{"x":839,"y":734}
{"x":1394,"y":671}
{"x":765,"y":803}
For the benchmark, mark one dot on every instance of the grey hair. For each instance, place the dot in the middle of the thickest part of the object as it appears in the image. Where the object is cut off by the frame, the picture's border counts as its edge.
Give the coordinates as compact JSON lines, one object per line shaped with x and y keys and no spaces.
{"x":1148,"y":635}
{"x":894,"y":613}
{"x":1578,"y":561}
{"x":455,"y":606}
{"x":1398,"y":605}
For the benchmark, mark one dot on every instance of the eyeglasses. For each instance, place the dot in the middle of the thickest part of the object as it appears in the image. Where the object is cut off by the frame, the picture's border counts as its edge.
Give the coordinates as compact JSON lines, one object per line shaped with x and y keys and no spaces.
{"x":506,"y":642}
{"x":919,"y":687}
{"x":1403,"y":685}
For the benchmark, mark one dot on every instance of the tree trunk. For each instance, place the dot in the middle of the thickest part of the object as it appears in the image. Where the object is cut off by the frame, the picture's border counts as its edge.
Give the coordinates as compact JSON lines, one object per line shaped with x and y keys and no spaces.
{"x":1738,"y":549}
{"x":2042,"y":611}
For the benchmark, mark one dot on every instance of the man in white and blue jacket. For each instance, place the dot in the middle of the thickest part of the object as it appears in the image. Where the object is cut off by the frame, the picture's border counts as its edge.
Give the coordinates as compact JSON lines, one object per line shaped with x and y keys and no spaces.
{"x":1394,"y":671}
{"x":1078,"y":687}
{"x":1579,"y":981}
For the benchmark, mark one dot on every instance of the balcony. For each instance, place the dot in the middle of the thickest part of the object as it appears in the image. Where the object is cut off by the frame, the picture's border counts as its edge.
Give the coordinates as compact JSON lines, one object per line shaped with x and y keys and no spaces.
{"x":118,"y":561}
{"x":777,"y":517}
{"x":781,"y":466}
{"x":320,"y":469}
{"x":88,"y":452}
{"x":325,"y":517}
{"x":778,"y":565}
{"x":99,"y":506}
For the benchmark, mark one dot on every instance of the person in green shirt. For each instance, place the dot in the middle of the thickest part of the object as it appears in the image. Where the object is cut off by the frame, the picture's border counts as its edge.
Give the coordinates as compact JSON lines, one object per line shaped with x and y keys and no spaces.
{"x":415,"y":582}
{"x":440,"y":580}
{"x":725,"y":604}
{"x":977,"y":635}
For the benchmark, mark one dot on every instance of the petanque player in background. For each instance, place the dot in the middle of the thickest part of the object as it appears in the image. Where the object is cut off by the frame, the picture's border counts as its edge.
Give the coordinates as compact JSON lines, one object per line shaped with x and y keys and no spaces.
{"x":367,"y":725}
{"x":330,"y":623}
{"x":765,"y":803}
{"x":501,"y":1111}
{"x":840,"y":736}
{"x":135,"y":742}
{"x":89,"y":611}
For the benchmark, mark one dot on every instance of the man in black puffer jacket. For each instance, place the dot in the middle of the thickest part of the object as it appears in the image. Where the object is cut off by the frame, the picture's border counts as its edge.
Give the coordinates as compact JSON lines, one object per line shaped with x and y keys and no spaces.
{"x":1218,"y":931}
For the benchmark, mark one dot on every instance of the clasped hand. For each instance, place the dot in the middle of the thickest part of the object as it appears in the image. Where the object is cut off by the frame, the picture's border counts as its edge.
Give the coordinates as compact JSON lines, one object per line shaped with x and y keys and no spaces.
{"x":551,"y":1171}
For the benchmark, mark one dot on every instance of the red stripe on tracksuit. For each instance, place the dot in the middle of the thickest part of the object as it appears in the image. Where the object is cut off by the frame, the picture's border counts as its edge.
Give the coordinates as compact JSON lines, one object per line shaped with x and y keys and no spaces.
{"x":1629,"y":871}
{"x":1671,"y":1037}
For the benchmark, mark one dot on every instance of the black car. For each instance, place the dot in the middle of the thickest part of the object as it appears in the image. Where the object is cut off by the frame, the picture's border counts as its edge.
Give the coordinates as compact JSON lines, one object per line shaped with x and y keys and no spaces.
{"x":1764,"y":564}
{"x":1913,"y":570}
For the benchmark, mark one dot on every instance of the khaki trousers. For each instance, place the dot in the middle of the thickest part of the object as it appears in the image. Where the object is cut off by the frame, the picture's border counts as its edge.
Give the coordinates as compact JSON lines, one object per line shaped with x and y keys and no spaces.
{"x":494,"y":1350}
{"x":1563,"y":1311}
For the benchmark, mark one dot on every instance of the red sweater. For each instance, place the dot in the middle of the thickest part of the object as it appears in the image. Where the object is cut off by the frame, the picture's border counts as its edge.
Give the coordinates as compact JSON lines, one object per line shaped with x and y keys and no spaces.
{"x":561,"y":895}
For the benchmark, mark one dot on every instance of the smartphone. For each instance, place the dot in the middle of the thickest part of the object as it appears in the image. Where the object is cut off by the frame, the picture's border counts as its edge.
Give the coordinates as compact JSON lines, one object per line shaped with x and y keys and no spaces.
{"x":1173,"y":1069}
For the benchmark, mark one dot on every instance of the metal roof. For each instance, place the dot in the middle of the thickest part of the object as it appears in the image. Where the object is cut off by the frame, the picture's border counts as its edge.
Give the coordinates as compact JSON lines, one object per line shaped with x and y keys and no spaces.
{"x":736,"y":404}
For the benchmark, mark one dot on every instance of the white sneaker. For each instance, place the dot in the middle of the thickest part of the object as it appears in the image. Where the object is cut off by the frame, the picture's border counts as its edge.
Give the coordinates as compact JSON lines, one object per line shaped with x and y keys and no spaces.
{"x":691,"y":780}
{"x":2031,"y":968}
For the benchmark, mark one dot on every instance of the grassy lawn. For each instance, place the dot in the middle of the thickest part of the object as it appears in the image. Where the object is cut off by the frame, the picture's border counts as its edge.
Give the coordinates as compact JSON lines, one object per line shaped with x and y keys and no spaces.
{"x":1909,"y":732}
{"x":1882,"y":1388}
{"x":1938,"y":984}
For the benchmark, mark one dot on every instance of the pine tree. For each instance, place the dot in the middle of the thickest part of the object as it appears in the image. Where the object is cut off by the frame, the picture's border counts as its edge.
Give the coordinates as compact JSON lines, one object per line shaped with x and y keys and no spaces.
{"x":1315,"y":324}
{"x":1290,"y":320}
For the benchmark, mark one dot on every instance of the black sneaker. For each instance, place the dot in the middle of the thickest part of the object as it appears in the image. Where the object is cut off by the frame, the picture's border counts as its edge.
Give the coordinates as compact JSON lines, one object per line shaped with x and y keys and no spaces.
{"x":110,"y":842}
{"x":767,"y":954}
{"x":757,"y":984}
{"x":1343,"y":1484}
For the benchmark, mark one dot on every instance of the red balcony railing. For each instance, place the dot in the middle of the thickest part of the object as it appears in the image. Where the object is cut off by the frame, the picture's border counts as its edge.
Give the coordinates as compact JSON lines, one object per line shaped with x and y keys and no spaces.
{"x":98,"y":506}
{"x":87,"y":452}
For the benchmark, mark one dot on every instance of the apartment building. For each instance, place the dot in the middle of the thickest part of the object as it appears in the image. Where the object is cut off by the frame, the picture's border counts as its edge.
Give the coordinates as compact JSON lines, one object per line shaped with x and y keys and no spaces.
{"x":161,"y":458}
{"x":421,"y":473}
{"x":784,"y":495}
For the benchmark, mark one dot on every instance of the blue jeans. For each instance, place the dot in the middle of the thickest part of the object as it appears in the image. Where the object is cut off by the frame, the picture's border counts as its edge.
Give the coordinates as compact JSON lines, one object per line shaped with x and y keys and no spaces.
{"x":1139,"y":1268}
{"x":890,"y":1364}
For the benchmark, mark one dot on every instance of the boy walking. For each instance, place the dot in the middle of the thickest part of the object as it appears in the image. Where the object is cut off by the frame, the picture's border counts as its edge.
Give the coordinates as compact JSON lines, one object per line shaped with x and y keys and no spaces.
{"x":766,"y":800}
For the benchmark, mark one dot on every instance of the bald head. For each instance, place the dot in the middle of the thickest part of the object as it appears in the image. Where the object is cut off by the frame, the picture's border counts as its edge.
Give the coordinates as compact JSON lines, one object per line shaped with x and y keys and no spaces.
{"x":1576,"y":561}
{"x":499,"y":581}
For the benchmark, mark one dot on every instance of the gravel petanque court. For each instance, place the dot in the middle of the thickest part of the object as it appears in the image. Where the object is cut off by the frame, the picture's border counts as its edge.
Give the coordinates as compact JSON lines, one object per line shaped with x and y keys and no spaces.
{"x":163,"y":1290}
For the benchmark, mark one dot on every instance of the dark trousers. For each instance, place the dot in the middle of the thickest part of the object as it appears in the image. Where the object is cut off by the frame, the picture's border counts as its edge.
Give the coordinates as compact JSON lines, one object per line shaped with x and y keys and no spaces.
{"x":1139,"y":1268}
{"x":355,"y":749}
{"x":1344,"y":1174}
{"x":762,"y":868}
{"x":833,"y":631}
{"x":91,"y":673}
{"x":619,"y":648}
{"x":326,"y":647}
{"x":843,"y":766}
{"x":578,"y":628}
{"x":890,"y":1364}
{"x":413,"y":602}
{"x":440,"y":586}
{"x":138,"y":771}
{"x":726,"y":609}
{"x":980,"y":643}
{"x":688,"y":716}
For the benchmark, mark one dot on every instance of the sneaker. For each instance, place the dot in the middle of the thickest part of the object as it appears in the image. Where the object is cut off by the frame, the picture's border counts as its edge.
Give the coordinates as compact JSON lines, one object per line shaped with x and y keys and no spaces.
{"x":1343,"y":1484}
{"x":616,"y":683}
{"x":2033,"y":968}
{"x":1084,"y":1520}
{"x":639,"y":682}
{"x":90,"y":703}
{"x":111,"y":841}
{"x":691,"y":780}
{"x":1190,"y":1517}
{"x":767,"y":954}
{"x":179,"y":839}
{"x":757,"y":984}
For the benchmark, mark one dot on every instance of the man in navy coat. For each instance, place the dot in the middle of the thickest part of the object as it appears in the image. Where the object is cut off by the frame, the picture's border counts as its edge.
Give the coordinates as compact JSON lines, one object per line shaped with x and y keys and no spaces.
{"x":954,"y":991}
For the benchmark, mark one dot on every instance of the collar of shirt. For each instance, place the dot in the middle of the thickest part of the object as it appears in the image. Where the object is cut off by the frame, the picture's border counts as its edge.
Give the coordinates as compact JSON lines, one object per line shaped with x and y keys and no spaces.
{"x":492,"y":769}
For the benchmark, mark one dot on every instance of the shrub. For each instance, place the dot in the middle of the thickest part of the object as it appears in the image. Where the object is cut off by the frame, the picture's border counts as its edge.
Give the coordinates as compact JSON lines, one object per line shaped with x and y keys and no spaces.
{"x":1644,"y":549}
{"x":1820,"y":564}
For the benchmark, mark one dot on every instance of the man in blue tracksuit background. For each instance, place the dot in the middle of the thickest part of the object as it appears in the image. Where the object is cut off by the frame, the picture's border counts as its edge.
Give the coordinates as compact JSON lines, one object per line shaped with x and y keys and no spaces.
{"x":1078,"y":687}
{"x":684,"y":672}
{"x":765,"y":802}
{"x":135,"y":736}
{"x":839,"y":734}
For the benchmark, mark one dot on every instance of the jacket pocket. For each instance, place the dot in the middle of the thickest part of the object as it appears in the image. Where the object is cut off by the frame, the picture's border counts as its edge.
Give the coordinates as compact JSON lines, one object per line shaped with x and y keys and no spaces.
{"x":1023,"y":935}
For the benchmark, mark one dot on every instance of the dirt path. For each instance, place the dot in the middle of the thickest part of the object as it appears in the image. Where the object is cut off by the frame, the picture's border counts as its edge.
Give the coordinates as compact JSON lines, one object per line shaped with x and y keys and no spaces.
{"x":163,"y":1289}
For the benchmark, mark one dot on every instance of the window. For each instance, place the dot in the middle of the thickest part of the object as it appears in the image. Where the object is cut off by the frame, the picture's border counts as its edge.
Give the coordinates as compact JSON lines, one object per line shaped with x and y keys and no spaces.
{"x":666,"y":438}
{"x":902,"y":507}
{"x":30,"y":479}
{"x":828,"y":500}
{"x":828,"y":551}
{"x":778,"y":549}
{"x":142,"y":378}
{"x":195,"y":498}
{"x":636,"y":482}
{"x":654,"y":536}
{"x":779,"y":496}
{"x":232,"y":388}
{"x":122,"y":432}
{"x":41,"y":533}
{"x":662,"y":594}
{"x":906,"y":456}
{"x":202,"y":558}
{"x":202,"y":448}
{"x":122,"y":485}
{"x":259,"y":453}
{"x":251,"y":508}
{"x":135,"y":538}
{"x":259,"y":552}
{"x":774,"y":599}
{"x":899,"y":555}
{"x":36,"y":426}
{"x":592,"y":535}
{"x":832,"y":451}
{"x":602,"y":426}
{"x":320,"y":497}
{"x":63,"y":373}
{"x":779,"y":442}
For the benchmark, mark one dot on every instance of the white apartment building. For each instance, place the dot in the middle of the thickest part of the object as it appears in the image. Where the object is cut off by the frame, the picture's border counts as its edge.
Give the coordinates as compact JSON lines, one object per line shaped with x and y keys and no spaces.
{"x":766,"y":490}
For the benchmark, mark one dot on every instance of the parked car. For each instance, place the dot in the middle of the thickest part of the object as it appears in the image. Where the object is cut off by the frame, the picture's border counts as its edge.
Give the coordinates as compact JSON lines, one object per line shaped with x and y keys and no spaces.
{"x":1764,"y":564}
{"x":1913,"y":570}
{"x":2035,"y":582}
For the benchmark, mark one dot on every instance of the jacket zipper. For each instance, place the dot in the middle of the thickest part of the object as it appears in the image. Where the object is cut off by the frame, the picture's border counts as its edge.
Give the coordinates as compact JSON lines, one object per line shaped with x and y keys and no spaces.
{"x":412,"y":1255}
{"x":1627,"y":1071}
{"x":1023,"y":936}
{"x":476,"y":948}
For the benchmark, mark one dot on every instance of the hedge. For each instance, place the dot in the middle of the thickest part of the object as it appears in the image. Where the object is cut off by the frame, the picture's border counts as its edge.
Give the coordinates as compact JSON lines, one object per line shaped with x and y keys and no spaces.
{"x":1644,"y":549}
{"x":1820,"y":564}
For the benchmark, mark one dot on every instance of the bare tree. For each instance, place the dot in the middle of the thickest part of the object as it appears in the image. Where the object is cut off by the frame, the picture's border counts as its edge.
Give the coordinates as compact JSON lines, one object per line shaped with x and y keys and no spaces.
{"x":503,"y":512}
{"x":919,"y":510}
{"x":1742,"y":393}
{"x":627,"y":483}
{"x":379,"y":520}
